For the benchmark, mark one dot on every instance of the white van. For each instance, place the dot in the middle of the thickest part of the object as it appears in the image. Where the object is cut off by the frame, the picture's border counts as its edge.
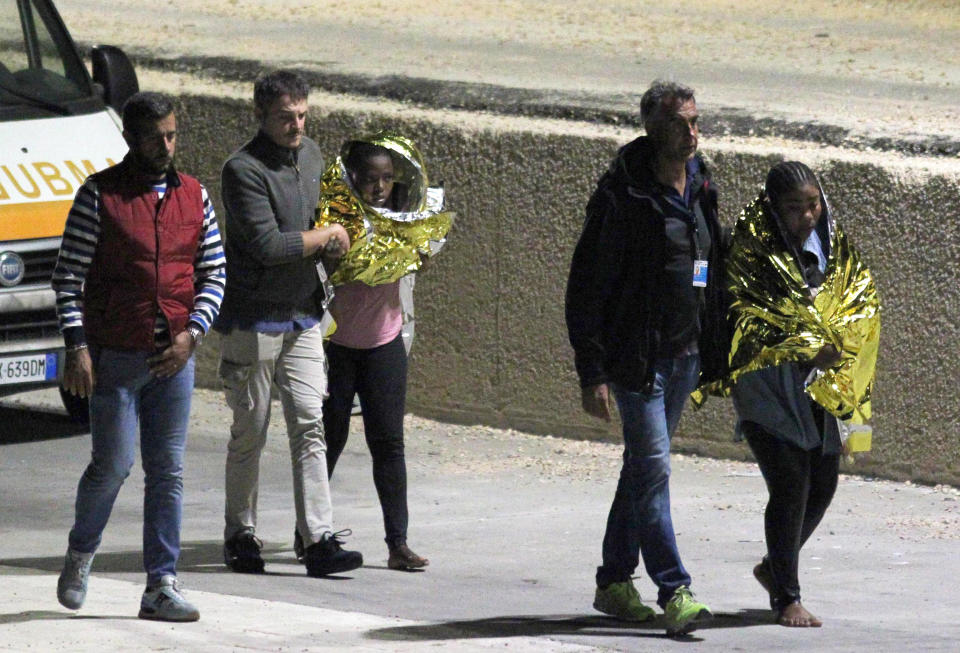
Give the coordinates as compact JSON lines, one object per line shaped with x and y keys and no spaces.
{"x":57,"y":125}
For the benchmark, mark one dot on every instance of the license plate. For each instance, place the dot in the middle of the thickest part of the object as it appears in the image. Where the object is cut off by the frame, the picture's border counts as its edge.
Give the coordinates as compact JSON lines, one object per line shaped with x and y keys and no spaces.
{"x":28,"y":369}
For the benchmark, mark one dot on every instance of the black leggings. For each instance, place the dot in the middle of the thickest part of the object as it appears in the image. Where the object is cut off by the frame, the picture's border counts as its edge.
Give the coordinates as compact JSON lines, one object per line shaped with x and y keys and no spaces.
{"x":379,"y":377}
{"x":801,"y":485}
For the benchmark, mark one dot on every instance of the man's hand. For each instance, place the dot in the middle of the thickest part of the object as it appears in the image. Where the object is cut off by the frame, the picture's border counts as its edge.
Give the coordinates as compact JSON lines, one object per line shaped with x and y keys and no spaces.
{"x":172,"y":359}
{"x":827,"y":357}
{"x":78,"y":373}
{"x":338,"y":242}
{"x":331,"y":241}
{"x":596,"y":401}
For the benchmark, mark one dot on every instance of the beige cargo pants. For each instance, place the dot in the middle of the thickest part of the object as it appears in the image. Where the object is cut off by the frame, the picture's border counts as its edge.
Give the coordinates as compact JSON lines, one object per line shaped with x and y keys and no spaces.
{"x":251,"y":364}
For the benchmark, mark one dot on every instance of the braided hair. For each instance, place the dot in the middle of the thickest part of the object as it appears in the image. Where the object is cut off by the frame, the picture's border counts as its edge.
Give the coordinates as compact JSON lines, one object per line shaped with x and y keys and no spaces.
{"x":783,"y":178}
{"x":788,"y":176}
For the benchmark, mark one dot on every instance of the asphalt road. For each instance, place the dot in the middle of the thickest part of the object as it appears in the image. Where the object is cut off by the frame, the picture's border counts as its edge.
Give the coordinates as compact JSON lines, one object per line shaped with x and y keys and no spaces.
{"x":882,"y":69}
{"x":512,"y":526}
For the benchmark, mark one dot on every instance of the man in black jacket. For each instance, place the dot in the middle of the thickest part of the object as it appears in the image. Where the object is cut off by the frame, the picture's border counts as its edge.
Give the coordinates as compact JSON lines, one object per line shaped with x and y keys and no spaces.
{"x":642,"y":305}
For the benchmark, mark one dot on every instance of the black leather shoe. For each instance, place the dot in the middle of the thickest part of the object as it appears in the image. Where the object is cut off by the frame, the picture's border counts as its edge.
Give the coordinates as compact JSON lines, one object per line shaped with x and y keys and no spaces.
{"x":328,"y":556}
{"x":242,"y":553}
{"x":297,"y":545}
{"x":402,"y":557}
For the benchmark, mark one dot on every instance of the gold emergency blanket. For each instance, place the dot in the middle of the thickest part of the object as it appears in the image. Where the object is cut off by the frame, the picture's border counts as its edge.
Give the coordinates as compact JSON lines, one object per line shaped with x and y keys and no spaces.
{"x":384,"y":245}
{"x":776,"y":317}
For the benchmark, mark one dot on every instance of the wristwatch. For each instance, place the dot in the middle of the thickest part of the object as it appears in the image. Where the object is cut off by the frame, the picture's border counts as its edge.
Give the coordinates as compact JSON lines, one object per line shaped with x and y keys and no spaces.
{"x":196,"y":333}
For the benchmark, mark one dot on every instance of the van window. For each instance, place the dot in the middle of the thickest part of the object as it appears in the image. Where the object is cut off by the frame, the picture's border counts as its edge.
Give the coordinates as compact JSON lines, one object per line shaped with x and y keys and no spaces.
{"x":38,"y":63}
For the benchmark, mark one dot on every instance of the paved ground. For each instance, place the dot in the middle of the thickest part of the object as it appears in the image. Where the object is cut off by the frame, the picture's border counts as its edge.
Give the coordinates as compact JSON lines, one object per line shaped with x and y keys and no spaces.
{"x":884,"y":69}
{"x":512,"y":525}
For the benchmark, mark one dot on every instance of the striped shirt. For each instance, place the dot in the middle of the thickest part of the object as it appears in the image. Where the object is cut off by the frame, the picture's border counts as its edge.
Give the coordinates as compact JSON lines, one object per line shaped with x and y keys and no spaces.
{"x":80,"y":238}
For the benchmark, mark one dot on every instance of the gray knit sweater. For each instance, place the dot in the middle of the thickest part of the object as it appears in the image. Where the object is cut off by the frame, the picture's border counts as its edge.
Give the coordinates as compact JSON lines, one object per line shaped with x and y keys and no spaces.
{"x":269,"y":195}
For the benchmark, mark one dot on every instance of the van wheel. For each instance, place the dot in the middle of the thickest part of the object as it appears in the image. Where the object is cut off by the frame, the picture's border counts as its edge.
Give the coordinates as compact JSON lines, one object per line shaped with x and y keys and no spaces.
{"x":78,"y":408}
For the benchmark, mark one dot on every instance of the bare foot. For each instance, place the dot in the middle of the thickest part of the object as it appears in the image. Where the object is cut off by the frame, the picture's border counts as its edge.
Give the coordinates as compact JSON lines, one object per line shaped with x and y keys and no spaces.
{"x":762,"y":573}
{"x":796,"y":616}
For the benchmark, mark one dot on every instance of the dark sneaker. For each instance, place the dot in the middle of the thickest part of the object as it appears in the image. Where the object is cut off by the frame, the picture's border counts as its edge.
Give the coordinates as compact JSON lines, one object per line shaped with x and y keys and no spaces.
{"x":328,"y":557}
{"x":164,"y":602}
{"x":72,"y":586}
{"x":297,"y":545}
{"x":242,"y":553}
{"x":402,"y":557}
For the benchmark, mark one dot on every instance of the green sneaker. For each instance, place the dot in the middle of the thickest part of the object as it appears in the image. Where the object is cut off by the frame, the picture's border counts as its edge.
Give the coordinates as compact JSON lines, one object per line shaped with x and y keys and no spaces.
{"x":622,"y":600}
{"x":683,"y":614}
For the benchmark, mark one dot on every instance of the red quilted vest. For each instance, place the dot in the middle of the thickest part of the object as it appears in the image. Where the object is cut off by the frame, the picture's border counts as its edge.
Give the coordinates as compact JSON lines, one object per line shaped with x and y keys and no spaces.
{"x":144,"y":258}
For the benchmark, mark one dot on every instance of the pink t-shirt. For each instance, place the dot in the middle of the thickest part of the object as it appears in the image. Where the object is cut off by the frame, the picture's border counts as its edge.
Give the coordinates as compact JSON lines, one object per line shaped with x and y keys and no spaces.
{"x":367,"y":316}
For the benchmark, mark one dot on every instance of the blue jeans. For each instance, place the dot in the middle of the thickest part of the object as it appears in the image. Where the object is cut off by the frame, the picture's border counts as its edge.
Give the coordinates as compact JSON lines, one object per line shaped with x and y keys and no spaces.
{"x":124,"y":395}
{"x":639,"y":520}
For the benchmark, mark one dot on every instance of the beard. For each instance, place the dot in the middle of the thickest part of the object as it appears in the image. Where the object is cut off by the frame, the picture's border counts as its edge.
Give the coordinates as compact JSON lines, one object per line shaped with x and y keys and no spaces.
{"x":152,"y":166}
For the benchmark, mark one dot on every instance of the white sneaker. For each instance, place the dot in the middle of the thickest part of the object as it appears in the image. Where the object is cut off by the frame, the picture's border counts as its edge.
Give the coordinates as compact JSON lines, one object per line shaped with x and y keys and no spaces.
{"x":72,"y":585}
{"x":164,"y":602}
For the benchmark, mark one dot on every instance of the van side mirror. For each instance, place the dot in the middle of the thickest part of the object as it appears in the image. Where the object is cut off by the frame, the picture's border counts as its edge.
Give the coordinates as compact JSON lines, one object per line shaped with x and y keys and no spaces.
{"x":113,"y":71}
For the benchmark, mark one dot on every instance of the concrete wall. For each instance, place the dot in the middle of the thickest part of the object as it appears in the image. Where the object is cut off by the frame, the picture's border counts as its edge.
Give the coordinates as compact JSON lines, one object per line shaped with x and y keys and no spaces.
{"x":491,"y":344}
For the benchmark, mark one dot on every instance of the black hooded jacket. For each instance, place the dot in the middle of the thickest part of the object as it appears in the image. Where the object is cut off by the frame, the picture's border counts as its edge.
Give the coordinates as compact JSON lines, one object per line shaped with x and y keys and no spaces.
{"x":615,"y":297}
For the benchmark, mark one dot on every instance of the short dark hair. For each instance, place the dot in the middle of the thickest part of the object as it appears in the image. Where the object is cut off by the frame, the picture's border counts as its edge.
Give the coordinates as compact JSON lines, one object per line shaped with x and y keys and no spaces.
{"x":145,"y":107}
{"x":361,"y":152}
{"x":273,"y":85}
{"x":660,"y":91}
{"x":788,"y":176}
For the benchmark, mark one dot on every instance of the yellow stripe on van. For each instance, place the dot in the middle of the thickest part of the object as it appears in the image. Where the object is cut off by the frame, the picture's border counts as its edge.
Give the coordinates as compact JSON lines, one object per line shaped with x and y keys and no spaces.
{"x":33,"y":220}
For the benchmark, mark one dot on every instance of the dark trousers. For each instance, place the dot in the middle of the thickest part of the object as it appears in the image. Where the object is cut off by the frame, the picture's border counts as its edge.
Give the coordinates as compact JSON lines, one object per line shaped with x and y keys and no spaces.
{"x":379,"y":377}
{"x":801,"y":485}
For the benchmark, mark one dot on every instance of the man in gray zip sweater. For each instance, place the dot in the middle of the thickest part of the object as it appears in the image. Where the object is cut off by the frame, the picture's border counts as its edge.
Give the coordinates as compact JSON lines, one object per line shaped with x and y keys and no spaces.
{"x":270,"y":324}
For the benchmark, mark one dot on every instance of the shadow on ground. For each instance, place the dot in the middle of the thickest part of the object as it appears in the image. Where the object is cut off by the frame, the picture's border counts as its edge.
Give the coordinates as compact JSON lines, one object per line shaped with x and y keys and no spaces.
{"x":19,"y":425}
{"x":203,"y":557}
{"x":50,"y":615}
{"x":559,"y":625}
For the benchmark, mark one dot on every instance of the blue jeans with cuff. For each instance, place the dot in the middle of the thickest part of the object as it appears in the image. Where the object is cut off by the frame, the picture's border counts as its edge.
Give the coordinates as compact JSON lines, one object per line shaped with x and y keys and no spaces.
{"x":639,"y":520}
{"x":126,"y":396}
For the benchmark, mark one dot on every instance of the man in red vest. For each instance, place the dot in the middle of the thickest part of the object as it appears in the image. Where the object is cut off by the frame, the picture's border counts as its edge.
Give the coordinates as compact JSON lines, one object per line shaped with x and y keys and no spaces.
{"x":139,"y":281}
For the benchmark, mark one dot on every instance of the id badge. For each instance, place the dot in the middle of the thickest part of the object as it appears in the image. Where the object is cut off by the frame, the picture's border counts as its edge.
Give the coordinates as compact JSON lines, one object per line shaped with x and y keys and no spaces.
{"x":700,"y":274}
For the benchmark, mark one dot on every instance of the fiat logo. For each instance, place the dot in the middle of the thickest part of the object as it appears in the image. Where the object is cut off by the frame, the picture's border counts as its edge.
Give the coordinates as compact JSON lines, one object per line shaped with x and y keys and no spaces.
{"x":11,"y":268}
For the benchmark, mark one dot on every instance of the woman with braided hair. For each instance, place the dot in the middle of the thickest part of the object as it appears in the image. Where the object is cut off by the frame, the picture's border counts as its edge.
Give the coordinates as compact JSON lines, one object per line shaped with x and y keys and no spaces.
{"x":805,"y":319}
